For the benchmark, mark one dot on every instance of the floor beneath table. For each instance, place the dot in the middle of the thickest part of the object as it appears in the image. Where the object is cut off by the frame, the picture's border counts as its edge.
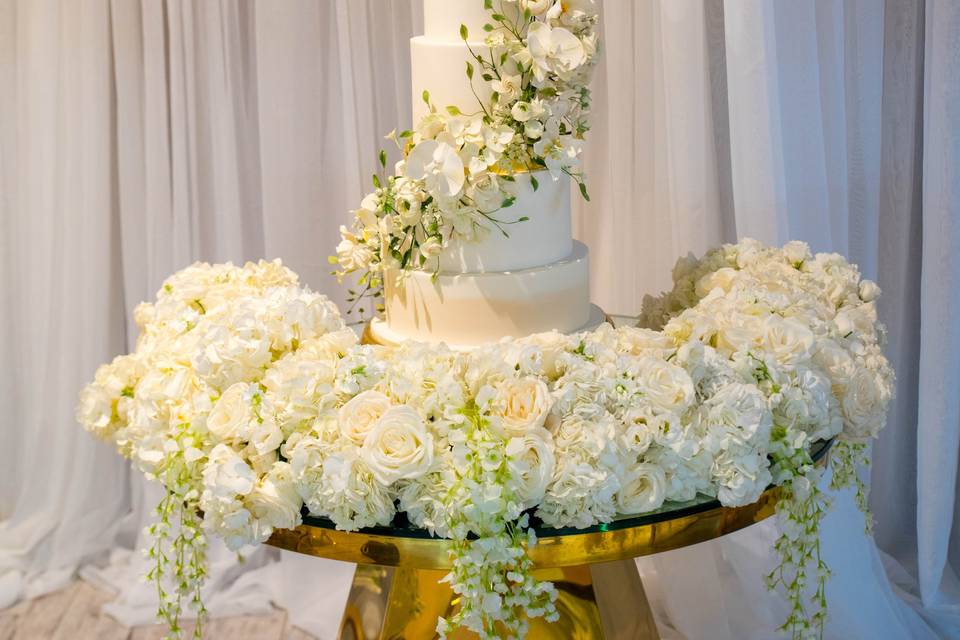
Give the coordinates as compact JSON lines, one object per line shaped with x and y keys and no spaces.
{"x":73,"y":613}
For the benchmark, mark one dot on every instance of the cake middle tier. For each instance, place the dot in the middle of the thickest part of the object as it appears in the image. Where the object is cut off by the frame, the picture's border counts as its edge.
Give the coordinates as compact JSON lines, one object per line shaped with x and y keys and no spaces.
{"x":473,"y":308}
{"x":544,"y":237}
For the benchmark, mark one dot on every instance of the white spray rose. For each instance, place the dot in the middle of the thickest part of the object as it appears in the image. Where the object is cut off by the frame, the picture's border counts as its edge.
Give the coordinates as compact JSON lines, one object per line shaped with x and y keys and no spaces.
{"x":398,"y":447}
{"x":358,"y":416}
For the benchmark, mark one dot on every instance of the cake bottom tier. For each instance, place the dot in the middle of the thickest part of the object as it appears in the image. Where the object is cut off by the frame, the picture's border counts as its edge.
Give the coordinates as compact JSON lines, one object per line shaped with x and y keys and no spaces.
{"x":467,"y":309}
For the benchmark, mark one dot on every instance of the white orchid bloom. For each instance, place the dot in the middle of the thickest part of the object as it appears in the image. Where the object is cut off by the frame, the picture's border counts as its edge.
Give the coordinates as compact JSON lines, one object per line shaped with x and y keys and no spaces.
{"x":439,"y":165}
{"x":553,"y":50}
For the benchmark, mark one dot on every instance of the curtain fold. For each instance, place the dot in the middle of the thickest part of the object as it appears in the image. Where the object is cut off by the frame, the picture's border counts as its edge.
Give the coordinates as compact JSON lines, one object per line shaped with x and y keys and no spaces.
{"x":938,"y":400}
{"x":139,"y":136}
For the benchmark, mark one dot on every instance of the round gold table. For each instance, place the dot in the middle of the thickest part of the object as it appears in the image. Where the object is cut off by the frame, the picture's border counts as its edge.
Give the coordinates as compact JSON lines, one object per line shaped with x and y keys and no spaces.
{"x":396,"y":593}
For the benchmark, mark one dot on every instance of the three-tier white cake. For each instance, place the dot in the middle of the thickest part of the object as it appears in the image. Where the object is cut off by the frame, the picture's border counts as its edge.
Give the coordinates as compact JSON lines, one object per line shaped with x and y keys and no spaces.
{"x":533,"y":279}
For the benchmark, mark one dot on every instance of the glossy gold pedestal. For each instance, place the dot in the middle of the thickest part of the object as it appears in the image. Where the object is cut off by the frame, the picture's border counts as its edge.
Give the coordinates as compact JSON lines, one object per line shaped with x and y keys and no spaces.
{"x":600,"y":601}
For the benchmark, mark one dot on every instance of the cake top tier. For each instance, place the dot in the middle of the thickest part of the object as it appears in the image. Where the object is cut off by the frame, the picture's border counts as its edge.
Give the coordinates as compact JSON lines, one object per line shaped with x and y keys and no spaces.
{"x":442,"y":18}
{"x":520,"y":107}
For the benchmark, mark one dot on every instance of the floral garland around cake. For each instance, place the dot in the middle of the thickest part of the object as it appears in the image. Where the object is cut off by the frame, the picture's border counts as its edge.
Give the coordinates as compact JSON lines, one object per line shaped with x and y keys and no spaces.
{"x":252,"y":403}
{"x":460,"y":170}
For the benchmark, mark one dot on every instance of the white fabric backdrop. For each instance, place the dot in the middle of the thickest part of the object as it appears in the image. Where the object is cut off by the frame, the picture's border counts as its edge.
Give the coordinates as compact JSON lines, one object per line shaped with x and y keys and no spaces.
{"x":136,"y":137}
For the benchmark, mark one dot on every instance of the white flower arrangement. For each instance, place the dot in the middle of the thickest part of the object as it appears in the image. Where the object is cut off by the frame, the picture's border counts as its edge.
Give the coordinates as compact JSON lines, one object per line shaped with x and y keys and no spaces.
{"x":251,"y":402}
{"x":459,"y":170}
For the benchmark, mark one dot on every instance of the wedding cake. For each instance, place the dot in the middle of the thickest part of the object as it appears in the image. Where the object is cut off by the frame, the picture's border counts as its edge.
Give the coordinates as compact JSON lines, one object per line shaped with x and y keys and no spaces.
{"x":491,"y":270}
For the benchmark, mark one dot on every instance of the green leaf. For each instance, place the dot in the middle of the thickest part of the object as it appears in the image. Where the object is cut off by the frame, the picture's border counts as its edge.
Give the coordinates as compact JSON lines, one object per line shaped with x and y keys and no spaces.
{"x":463,"y":32}
{"x":583,"y":191}
{"x":383,"y":158}
{"x":534,"y":183}
{"x":469,"y":70}
{"x":507,"y":202}
{"x":332,"y":260}
{"x":426,"y":96}
{"x":453,"y":110}
{"x":488,"y":27}
{"x":523,"y":218}
{"x":488,"y":5}
{"x":406,"y":133}
{"x":376,"y":181}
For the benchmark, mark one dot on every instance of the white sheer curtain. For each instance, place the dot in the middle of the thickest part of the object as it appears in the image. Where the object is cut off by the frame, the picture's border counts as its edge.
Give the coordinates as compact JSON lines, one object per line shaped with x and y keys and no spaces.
{"x":136,"y":137}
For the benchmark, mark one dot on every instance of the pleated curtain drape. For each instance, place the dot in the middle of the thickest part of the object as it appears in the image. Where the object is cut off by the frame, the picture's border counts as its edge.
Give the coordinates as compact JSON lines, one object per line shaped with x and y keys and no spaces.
{"x":137,"y":136}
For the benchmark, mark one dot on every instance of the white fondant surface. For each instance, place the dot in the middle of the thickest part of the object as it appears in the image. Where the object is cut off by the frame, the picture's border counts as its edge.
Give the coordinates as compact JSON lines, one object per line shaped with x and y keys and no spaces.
{"x":545,"y":238}
{"x":439,"y":66}
{"x":442,"y":18}
{"x":473,"y":308}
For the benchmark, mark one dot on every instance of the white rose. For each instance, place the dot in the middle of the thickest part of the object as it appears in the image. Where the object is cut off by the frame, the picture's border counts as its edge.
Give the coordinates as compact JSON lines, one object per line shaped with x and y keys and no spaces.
{"x":643,"y":488}
{"x":789,"y":340}
{"x":232,"y":414}
{"x":666,"y":385}
{"x":531,"y":463}
{"x":835,"y":361}
{"x":722,"y":279}
{"x":360,"y":413}
{"x":522,"y":404}
{"x":638,"y":432}
{"x":864,"y":402}
{"x":739,"y":334}
{"x":552,"y":345}
{"x":398,"y":447}
{"x":856,"y":320}
{"x":275,"y":502}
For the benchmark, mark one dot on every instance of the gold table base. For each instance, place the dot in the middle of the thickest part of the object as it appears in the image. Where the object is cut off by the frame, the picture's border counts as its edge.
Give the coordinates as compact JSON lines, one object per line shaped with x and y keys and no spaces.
{"x":599,"y":601}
